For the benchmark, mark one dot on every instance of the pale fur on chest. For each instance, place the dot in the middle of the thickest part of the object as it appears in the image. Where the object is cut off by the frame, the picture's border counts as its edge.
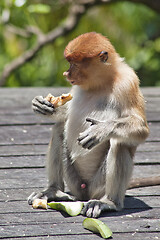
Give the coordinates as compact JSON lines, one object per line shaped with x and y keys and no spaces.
{"x":85,"y":105}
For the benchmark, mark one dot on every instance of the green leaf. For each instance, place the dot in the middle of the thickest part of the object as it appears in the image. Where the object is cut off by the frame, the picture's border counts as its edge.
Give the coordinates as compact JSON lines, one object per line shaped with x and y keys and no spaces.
{"x":97,"y":226}
{"x":39,"y":8}
{"x":72,"y":208}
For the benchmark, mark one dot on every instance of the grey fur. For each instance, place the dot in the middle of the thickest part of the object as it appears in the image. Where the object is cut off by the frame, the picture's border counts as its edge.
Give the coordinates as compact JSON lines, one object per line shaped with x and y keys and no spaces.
{"x":92,"y":145}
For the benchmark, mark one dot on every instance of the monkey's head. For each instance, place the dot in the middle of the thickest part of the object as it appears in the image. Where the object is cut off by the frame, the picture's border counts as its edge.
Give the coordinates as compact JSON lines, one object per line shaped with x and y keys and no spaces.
{"x":92,"y":59}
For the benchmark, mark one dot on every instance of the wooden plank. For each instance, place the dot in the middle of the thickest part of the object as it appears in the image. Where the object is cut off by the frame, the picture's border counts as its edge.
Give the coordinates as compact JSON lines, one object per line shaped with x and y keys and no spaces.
{"x":145,"y":171}
{"x":35,"y":134}
{"x":144,"y":191}
{"x":144,"y":202}
{"x":117,"y":236}
{"x":24,"y":115}
{"x":144,"y":158}
{"x":137,"y":236}
{"x":45,"y":218}
{"x":23,"y":150}
{"x":147,"y":157}
{"x":15,"y":96}
{"x":149,"y":147}
{"x":22,"y":161}
{"x":48,"y":216}
{"x":33,"y":119}
{"x":45,"y":229}
{"x":36,"y":177}
{"x":22,"y":194}
{"x":152,"y":104}
{"x":15,"y":101}
{"x":21,"y":119}
{"x":151,"y":91}
{"x":26,"y":93}
{"x":38,"y":133}
{"x":153,"y":116}
{"x":25,"y":134}
{"x":12,"y":98}
{"x":21,"y":99}
{"x":21,"y":178}
{"x":154,"y":131}
{"x":41,"y":149}
{"x":30,"y":118}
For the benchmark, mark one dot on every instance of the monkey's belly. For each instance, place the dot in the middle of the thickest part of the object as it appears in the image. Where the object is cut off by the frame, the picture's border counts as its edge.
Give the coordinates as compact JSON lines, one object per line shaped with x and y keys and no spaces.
{"x":88,"y":164}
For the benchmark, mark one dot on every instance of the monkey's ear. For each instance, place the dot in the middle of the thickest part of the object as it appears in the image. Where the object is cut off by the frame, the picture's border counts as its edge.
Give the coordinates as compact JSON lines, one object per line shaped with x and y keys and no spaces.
{"x":103,"y":56}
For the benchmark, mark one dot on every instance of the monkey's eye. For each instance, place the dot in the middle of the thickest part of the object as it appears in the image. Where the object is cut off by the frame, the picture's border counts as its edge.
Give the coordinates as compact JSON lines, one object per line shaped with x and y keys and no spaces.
{"x":73,"y":64}
{"x":103,"y":56}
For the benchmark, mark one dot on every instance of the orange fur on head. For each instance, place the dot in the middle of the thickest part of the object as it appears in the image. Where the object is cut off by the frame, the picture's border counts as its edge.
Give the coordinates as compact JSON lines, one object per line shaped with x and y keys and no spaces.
{"x":86,"y":46}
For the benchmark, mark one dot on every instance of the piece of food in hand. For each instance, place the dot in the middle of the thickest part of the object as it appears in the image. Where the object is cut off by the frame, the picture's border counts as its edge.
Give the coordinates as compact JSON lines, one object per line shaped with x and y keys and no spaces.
{"x":40,"y":203}
{"x":60,"y":100}
{"x":97,"y":226}
{"x":72,"y":208}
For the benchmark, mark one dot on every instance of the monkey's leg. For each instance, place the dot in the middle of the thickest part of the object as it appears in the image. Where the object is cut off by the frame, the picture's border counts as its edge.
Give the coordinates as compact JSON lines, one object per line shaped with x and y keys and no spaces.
{"x":54,"y":168}
{"x":118,"y":170}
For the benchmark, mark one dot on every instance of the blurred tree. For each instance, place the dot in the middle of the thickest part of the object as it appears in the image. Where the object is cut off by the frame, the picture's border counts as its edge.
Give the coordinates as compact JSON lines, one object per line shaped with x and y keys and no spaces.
{"x":27,"y":26}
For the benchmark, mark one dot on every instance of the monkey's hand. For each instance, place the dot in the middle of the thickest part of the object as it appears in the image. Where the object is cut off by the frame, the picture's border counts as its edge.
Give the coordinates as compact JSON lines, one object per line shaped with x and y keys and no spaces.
{"x":93,"y":208}
{"x":41,"y":106}
{"x":96,"y":133}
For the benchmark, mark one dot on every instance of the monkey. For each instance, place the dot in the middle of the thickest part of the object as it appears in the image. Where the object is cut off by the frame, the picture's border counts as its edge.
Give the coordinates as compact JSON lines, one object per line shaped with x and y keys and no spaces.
{"x":96,"y":134}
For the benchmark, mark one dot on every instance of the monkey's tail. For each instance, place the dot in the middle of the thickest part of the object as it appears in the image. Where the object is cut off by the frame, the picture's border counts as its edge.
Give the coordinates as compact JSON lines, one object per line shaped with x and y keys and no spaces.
{"x":144,"y":182}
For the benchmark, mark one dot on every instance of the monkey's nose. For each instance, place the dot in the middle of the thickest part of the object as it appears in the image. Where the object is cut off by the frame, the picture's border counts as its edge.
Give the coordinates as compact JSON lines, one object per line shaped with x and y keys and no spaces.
{"x":66,"y":74}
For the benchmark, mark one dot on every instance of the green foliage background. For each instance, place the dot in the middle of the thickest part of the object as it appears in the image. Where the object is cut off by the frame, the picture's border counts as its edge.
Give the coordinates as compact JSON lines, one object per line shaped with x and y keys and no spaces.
{"x":133,"y":29}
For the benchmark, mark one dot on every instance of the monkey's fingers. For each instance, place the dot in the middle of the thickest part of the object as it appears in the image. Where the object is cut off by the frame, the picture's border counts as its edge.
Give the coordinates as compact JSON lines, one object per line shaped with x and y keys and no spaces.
{"x":42,"y":106}
{"x":92,"y":121}
{"x":89,"y":143}
{"x":82,"y":136}
{"x":42,"y":100}
{"x":34,"y":196}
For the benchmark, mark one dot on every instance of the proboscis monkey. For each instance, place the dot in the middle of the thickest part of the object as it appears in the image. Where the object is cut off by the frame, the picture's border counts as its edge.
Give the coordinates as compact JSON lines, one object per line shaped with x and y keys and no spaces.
{"x":96,"y":133}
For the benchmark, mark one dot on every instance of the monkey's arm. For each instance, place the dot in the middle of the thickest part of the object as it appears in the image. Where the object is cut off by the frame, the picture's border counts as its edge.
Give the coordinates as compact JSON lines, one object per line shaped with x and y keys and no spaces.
{"x":130,"y":130}
{"x":41,"y":106}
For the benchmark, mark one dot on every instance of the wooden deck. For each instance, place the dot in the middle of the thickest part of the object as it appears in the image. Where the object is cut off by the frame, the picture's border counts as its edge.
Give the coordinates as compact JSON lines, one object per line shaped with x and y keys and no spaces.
{"x":23,"y":144}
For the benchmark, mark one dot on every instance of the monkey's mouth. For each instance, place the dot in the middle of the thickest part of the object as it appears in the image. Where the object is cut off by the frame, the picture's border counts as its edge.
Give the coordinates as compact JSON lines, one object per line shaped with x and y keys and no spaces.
{"x":71,"y":81}
{"x":66,"y":74}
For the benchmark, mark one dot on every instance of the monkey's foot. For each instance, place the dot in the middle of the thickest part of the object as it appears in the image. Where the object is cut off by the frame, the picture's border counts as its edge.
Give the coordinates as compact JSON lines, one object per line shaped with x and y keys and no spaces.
{"x":93,"y":208}
{"x":50,"y":195}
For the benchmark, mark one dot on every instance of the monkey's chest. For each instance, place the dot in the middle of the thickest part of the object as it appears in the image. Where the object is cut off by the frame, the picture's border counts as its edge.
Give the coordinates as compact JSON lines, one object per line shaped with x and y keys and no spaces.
{"x":95,"y":107}
{"x":76,"y":123}
{"x":86,"y":161}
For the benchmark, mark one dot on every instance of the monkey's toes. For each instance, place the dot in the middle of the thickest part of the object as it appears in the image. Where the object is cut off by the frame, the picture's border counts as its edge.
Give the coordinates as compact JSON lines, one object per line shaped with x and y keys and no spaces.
{"x":92,"y":209}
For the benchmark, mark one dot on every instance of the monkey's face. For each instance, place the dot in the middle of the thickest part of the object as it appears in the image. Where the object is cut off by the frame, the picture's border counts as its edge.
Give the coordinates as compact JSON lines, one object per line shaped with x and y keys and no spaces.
{"x":89,"y":73}
{"x":92,"y":60}
{"x":77,"y":72}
